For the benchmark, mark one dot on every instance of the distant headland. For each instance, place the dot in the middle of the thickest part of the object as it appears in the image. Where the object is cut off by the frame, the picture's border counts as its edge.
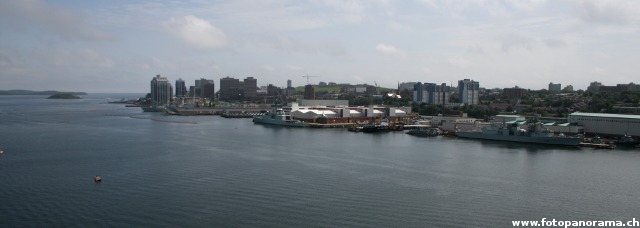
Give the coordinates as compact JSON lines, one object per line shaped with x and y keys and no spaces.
{"x":63,"y":96}
{"x":29,"y":92}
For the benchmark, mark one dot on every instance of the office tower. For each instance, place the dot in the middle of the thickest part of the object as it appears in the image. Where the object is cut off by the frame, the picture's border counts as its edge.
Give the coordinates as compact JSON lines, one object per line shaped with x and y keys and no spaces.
{"x":201,"y":88}
{"x":161,"y":91}
{"x":250,"y":88}
{"x":229,"y":89}
{"x":309,"y":92}
{"x":181,"y":88}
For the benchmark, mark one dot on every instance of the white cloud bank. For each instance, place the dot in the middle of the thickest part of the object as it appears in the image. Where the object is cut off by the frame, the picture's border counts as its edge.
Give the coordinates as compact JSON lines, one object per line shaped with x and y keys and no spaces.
{"x":389,"y":50}
{"x":196,"y":32}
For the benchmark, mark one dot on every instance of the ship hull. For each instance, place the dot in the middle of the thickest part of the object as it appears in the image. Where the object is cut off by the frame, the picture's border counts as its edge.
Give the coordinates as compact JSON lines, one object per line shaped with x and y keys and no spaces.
{"x":566,"y":141}
{"x":153,"y":109}
{"x":262,"y":120}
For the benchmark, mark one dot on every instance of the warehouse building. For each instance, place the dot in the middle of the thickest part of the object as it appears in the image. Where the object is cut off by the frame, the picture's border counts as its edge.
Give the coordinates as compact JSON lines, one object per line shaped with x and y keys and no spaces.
{"x":607,"y":124}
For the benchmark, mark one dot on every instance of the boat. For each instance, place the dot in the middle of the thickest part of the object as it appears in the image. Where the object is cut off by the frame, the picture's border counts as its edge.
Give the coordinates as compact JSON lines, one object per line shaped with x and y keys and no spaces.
{"x":627,"y":140}
{"x":279,"y":117}
{"x":355,"y":128}
{"x":535,"y":133}
{"x":598,"y":143}
{"x":424,"y":132}
{"x":97,"y":178}
{"x":375,"y":128}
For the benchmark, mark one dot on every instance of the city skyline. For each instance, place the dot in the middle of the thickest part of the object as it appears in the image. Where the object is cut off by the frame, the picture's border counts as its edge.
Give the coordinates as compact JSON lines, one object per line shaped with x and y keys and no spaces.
{"x":117,"y":46}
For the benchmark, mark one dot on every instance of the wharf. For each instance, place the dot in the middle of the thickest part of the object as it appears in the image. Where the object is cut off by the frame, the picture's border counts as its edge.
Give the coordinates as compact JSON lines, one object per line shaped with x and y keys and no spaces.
{"x":214,"y":111}
{"x":332,"y":125}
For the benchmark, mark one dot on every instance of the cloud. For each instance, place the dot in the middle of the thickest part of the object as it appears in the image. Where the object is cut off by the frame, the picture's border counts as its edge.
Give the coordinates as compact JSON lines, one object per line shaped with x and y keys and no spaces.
{"x":28,"y":15}
{"x":607,"y":12}
{"x":516,"y":40}
{"x":267,"y":67}
{"x":294,"y":67}
{"x":554,"y":43}
{"x":196,"y":32}
{"x":459,"y":62}
{"x":350,"y":11}
{"x":389,"y":50}
{"x":74,"y":59}
{"x":398,"y":27}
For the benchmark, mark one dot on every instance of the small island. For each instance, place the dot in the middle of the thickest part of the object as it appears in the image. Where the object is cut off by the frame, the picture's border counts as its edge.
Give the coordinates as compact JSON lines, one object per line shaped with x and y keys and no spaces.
{"x":63,"y":96}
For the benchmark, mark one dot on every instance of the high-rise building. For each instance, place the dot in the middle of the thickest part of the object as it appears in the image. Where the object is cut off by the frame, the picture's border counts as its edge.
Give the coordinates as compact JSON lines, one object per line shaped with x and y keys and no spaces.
{"x":309,"y":92}
{"x":431,"y":93}
{"x":406,"y":86}
{"x":555,"y":87}
{"x":436,"y":94}
{"x":161,"y":91}
{"x":209,"y":90}
{"x":201,"y":86}
{"x":230,"y":89}
{"x":469,"y":92}
{"x":418,"y":92}
{"x":288,"y":83}
{"x":181,"y":88}
{"x":250,"y":88}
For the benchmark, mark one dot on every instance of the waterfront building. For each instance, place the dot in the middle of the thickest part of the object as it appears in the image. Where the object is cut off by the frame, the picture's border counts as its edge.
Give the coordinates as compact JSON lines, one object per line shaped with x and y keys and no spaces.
{"x":515,"y":92}
{"x":161,"y":91}
{"x":205,"y":88}
{"x":309,"y":92}
{"x":181,"y":88}
{"x":250,"y":88}
{"x":324,"y":103}
{"x":607,"y":124}
{"x":468,"y":92}
{"x":230,"y":89}
{"x":209,"y":90}
{"x":555,"y":87}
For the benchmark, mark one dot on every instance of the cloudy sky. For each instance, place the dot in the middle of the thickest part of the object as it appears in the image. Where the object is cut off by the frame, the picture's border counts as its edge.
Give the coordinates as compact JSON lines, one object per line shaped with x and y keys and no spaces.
{"x":118,"y":46}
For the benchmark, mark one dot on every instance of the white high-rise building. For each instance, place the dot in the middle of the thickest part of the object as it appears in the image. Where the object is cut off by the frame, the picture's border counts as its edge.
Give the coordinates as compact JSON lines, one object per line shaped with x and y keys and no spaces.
{"x":161,"y":91}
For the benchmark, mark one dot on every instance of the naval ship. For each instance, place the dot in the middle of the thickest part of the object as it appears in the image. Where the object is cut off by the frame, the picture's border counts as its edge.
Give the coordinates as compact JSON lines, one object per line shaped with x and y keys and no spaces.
{"x":533,"y":133}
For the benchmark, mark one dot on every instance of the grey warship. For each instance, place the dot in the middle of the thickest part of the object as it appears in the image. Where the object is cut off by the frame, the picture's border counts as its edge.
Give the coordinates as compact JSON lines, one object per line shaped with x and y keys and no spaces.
{"x":534,"y":133}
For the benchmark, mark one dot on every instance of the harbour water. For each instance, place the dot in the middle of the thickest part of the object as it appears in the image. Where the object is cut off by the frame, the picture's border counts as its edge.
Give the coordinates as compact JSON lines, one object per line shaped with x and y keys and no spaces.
{"x":197,"y":171}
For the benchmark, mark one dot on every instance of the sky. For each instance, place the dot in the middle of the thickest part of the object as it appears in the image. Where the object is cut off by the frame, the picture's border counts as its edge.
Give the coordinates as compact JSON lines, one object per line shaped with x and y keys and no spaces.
{"x":119,"y":46}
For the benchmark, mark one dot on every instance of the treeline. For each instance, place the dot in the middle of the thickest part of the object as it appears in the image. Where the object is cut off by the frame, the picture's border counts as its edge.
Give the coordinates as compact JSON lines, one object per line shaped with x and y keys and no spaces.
{"x":29,"y":92}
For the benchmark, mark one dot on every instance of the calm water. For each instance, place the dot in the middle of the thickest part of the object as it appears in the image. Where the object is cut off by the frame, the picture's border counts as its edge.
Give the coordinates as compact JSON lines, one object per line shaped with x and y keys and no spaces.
{"x":163,"y":171}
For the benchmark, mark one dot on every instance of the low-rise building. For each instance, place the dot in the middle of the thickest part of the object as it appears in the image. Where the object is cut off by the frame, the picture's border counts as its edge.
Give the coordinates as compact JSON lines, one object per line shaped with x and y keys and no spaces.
{"x":607,"y":124}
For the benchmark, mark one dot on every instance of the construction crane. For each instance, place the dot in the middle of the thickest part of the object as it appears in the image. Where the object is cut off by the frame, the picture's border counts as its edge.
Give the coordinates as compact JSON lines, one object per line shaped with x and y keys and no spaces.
{"x":377,"y":87}
{"x":307,"y":76}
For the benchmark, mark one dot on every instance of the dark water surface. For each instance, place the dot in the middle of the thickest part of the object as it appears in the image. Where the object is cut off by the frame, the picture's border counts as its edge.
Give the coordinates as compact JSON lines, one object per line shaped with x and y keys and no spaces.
{"x":199,"y":171}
